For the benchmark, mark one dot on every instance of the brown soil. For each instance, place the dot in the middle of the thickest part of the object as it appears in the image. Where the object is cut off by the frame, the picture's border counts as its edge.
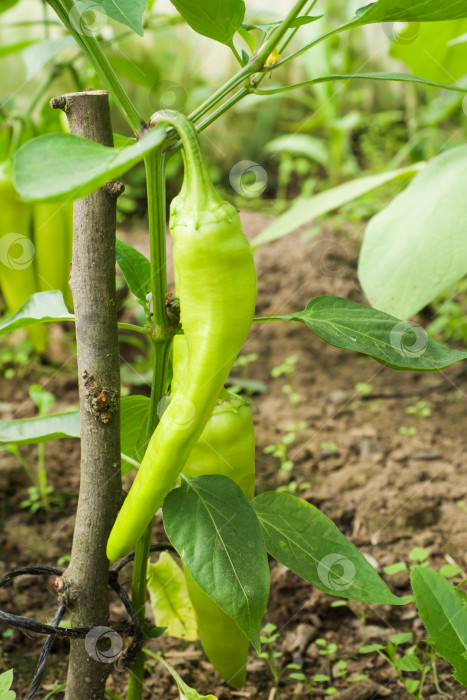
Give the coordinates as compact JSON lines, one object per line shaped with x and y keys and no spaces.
{"x":386,"y":491}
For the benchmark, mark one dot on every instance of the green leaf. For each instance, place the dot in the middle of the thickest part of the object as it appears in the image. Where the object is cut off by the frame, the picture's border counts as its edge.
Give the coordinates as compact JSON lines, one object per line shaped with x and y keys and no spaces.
{"x":64,"y":166}
{"x":28,"y":431}
{"x":6,"y":679}
{"x":170,"y":602}
{"x":431,"y":54}
{"x":307,"y":208}
{"x":416,"y":247}
{"x":7,"y":4}
{"x":443,"y":609}
{"x":215,"y":530}
{"x":370,"y":648}
{"x":305,"y":540}
{"x":136,"y":269}
{"x":410,"y":11}
{"x":43,"y":306}
{"x":450,"y":570}
{"x":134,"y":412}
{"x":398,"y":344}
{"x":409,"y":663}
{"x":401,"y":638}
{"x":128,"y":13}
{"x":216,"y":19}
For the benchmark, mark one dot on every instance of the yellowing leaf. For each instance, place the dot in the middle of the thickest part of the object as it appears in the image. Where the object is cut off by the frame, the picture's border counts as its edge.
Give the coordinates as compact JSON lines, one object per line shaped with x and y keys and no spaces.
{"x":169,"y":599}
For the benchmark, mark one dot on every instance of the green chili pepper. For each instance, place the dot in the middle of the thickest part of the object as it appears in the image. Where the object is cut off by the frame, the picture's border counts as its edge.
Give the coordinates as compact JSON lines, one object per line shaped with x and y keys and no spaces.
{"x":53,"y":232}
{"x":17,"y":252}
{"x":215,"y":281}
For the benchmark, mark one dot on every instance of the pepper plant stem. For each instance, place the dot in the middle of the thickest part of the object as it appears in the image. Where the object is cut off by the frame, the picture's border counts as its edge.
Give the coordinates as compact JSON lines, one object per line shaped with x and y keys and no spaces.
{"x":94,"y":53}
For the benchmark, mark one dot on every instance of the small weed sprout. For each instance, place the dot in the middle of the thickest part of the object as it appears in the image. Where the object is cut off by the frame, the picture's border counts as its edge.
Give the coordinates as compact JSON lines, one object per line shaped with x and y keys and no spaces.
{"x":286,"y":369}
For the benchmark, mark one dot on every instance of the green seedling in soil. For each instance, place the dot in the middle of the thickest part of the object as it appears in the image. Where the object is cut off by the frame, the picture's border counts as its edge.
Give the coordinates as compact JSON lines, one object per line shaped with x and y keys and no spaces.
{"x":340,"y":671}
{"x":408,"y":660}
{"x":286,"y":370}
{"x":279,"y":450}
{"x":15,"y":360}
{"x":407,"y":431}
{"x":43,"y":400}
{"x":419,"y":556}
{"x":329,"y":447}
{"x":293,"y":487}
{"x":363,"y":388}
{"x":462,"y":505}
{"x":421,"y":410}
{"x":6,"y":679}
{"x":269,"y":635}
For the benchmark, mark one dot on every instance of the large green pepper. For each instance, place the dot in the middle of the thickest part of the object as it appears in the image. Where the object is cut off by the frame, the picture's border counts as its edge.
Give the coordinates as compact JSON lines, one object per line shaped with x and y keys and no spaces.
{"x":215,"y":281}
{"x":17,"y":252}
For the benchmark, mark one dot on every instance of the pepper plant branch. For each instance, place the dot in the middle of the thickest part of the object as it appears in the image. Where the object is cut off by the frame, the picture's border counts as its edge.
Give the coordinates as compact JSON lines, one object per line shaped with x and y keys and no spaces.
{"x":318,"y":39}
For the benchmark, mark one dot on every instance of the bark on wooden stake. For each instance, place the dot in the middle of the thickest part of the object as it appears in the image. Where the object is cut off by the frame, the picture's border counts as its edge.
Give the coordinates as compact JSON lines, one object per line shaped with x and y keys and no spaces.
{"x":93,"y":286}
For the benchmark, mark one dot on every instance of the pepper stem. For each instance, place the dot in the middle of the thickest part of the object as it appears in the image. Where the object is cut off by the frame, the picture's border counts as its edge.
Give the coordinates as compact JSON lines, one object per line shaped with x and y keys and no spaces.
{"x":198,"y":190}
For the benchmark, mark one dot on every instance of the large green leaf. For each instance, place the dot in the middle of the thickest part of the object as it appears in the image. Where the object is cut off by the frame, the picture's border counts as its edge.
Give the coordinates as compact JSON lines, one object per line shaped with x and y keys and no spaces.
{"x":411,"y":11}
{"x":29,"y":431}
{"x":216,"y":19}
{"x":42,"y":306}
{"x":136,"y":269}
{"x":398,"y":344}
{"x":305,"y":540}
{"x":215,"y":530}
{"x":443,"y":609}
{"x":64,"y":166}
{"x":430,"y":53}
{"x":417,"y":246}
{"x":134,"y":411}
{"x":128,"y":13}
{"x":305,"y":209}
